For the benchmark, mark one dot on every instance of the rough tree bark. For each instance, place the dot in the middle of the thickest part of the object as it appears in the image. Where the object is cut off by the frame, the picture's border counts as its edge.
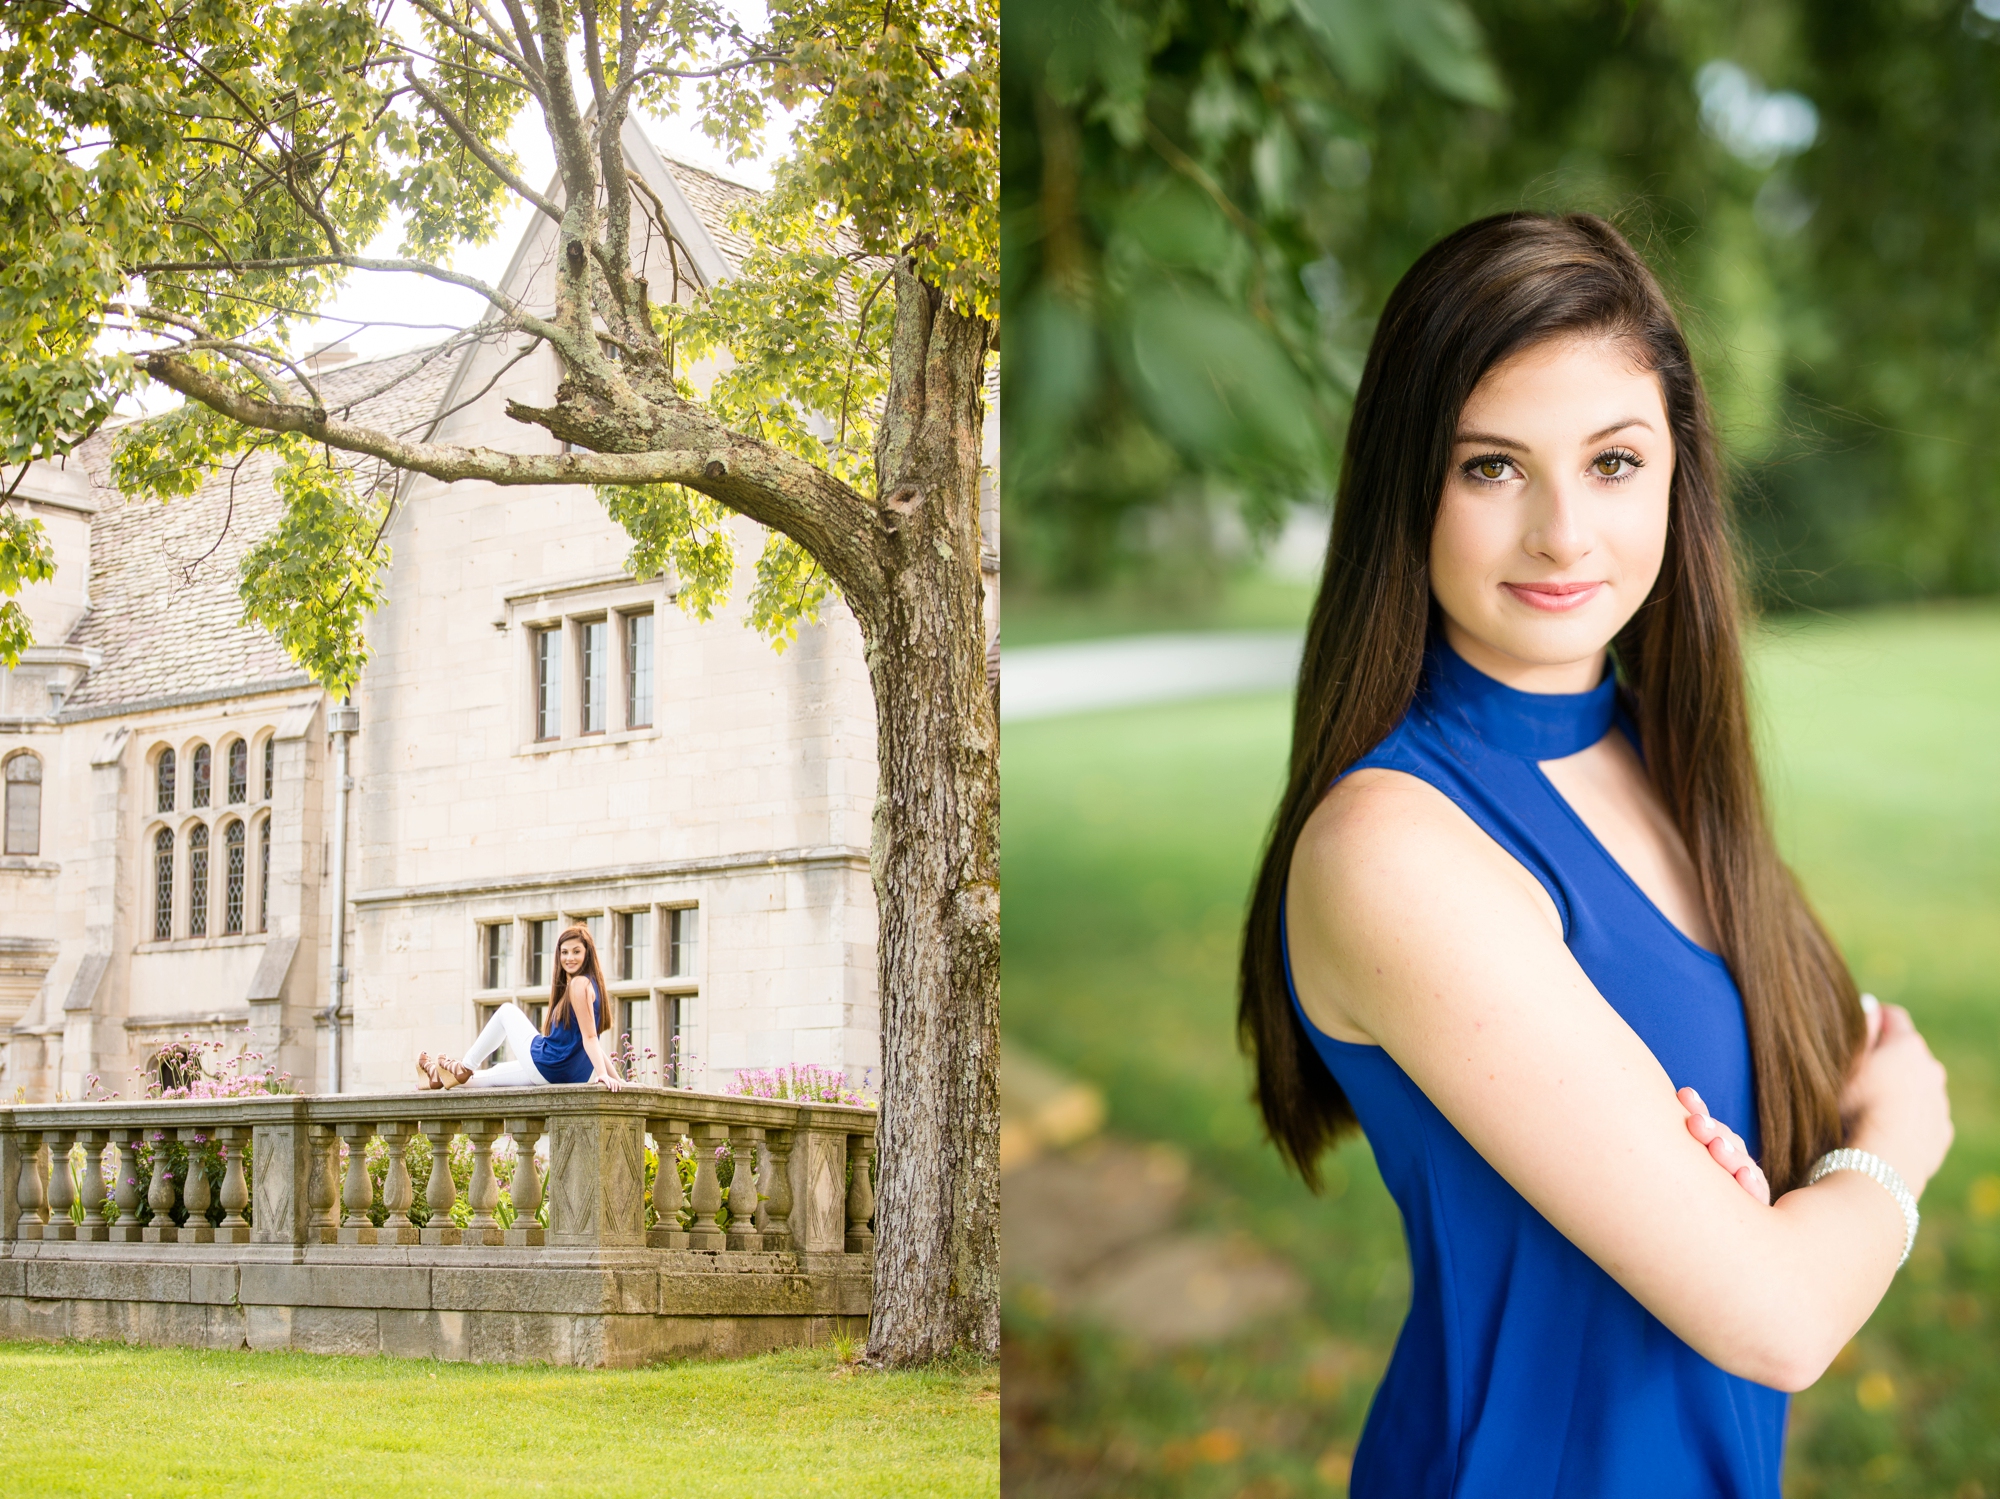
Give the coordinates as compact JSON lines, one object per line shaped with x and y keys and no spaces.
{"x":937,"y":849}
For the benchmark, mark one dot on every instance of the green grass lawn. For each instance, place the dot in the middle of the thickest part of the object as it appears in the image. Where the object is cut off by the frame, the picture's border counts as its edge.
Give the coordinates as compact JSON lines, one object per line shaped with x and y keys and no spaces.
{"x":107,"y":1421}
{"x":1129,"y":843}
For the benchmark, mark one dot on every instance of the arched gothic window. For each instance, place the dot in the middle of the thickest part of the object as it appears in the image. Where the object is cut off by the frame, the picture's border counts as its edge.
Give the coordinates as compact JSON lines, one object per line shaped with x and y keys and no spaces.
{"x":163,"y":883}
{"x":239,"y":771}
{"x":233,"y":879}
{"x":264,"y":875}
{"x":163,"y":782}
{"x":24,"y":804}
{"x":201,"y":775}
{"x":198,"y":881}
{"x":270,"y":748}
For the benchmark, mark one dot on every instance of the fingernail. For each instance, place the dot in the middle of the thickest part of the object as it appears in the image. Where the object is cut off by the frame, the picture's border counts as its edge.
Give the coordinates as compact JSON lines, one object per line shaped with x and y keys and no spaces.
{"x":1870,"y":1004}
{"x":1708,"y":1123}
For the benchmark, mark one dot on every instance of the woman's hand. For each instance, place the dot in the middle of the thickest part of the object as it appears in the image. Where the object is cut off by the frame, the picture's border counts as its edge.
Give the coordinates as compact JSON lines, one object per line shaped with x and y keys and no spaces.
{"x":1725,"y":1147}
{"x":1895,"y":1101}
{"x":609,"y":1079}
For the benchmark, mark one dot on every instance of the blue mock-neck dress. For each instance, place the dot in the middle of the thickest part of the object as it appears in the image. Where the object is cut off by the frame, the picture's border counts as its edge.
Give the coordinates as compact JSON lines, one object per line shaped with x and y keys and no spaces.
{"x":1523,"y":1371}
{"x":559,"y":1056}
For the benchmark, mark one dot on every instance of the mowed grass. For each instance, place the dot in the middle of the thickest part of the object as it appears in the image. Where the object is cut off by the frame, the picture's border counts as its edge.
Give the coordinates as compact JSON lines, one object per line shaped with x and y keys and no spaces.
{"x":1130,"y":839}
{"x":105,"y":1421}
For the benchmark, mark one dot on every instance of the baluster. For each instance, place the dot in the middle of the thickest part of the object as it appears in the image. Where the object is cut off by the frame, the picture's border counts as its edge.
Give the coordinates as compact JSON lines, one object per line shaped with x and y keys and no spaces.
{"x":707,"y":1196}
{"x":93,"y":1229}
{"x":359,"y":1195}
{"x":29,"y":1195}
{"x":743,"y":1187}
{"x":860,"y":1194}
{"x":235,"y":1228}
{"x":527,"y":1187}
{"x":482,"y":1227}
{"x":440,"y":1192}
{"x":398,"y":1191}
{"x":125,"y":1189}
{"x":668,"y":1199}
{"x":160,"y":1195}
{"x":62,"y":1186}
{"x":775,"y":1213}
{"x":195,"y":1191}
{"x":324,"y":1145}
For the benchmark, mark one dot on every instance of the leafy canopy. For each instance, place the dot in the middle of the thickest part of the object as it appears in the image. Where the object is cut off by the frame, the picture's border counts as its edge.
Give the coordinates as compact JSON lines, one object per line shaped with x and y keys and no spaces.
{"x":184,"y":184}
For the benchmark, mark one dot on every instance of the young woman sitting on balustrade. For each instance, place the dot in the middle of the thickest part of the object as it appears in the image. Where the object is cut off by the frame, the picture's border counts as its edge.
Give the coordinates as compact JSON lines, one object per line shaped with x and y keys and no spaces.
{"x":571,"y":1050}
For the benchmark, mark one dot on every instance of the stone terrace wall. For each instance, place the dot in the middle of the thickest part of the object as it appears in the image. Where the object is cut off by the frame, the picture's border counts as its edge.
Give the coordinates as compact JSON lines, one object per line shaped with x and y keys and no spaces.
{"x":297,"y":1262}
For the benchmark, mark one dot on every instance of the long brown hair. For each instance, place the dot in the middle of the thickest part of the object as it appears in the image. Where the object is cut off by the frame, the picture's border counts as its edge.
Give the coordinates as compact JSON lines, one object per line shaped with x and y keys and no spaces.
{"x":559,"y":984}
{"x":1488,"y":291}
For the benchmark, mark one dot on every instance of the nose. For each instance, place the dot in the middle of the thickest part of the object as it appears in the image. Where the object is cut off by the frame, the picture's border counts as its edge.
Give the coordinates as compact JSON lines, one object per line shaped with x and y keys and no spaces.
{"x":1557,"y":531}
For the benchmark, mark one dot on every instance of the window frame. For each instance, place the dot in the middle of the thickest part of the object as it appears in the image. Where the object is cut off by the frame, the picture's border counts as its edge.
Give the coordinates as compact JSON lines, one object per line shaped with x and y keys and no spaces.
{"x":15,"y":792}
{"x":633,"y":672}
{"x":593,"y":675}
{"x":544,"y":653}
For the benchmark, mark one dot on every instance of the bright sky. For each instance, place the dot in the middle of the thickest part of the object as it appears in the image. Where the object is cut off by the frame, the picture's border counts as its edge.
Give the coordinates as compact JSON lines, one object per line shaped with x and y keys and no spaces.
{"x":433,"y":306}
{"x":378,"y":314}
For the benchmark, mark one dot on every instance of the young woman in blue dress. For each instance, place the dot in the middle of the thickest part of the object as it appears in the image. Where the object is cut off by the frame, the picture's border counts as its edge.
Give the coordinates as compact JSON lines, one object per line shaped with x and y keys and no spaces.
{"x":1522,"y":917}
{"x":571,"y":1050}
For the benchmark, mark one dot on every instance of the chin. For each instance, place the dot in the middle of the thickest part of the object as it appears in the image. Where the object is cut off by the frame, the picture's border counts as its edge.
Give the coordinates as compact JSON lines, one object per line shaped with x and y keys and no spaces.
{"x":1549,"y":642}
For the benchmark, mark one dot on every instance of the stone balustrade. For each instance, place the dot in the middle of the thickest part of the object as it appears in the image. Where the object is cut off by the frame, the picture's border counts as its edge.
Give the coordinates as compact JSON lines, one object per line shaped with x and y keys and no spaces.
{"x":289,"y":1252}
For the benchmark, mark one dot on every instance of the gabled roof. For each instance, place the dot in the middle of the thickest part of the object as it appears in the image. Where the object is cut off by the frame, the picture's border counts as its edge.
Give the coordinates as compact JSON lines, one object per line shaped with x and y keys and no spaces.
{"x":164,"y":609}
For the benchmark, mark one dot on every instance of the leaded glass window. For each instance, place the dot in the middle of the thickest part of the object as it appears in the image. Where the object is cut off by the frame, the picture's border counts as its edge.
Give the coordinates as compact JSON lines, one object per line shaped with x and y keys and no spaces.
{"x":548,"y":684}
{"x":264,"y":874}
{"x":163,"y":883}
{"x":163,"y":782}
{"x":638,"y":671}
{"x":633,"y":935}
{"x":239,"y":772}
{"x":591,"y":635}
{"x":24,"y":805}
{"x":198,"y":882}
{"x":232,"y":879}
{"x":540,"y":935}
{"x":270,"y":756}
{"x":495,"y":955}
{"x":683,"y":940}
{"x":201,"y":774}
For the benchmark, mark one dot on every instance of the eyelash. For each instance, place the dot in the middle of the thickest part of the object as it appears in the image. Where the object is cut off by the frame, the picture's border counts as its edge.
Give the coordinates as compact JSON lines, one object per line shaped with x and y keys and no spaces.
{"x":1470,"y":467}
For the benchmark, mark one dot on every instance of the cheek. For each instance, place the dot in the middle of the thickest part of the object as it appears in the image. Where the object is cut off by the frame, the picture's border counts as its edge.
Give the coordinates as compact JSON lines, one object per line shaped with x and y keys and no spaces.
{"x":1468,"y":542}
{"x":1637,"y":534}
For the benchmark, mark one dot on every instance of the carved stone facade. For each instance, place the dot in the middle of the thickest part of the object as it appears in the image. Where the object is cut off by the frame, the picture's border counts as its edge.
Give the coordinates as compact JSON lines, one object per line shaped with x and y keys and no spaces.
{"x":542,"y":738}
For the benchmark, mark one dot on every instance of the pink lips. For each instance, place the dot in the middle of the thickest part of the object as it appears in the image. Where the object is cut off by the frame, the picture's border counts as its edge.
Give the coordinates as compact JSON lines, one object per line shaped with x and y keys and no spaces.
{"x":1553,"y":598}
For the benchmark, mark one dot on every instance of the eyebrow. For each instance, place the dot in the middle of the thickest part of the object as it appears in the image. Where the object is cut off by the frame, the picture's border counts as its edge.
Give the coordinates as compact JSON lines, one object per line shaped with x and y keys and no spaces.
{"x":1494,"y":439}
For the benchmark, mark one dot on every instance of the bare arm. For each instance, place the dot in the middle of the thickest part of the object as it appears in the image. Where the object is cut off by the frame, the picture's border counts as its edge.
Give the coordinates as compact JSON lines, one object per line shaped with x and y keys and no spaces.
{"x":1411,"y":928}
{"x":583,"y":1005}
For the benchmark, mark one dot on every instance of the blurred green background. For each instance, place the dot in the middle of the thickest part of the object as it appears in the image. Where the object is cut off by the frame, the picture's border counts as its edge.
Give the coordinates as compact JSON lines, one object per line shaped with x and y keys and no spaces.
{"x":1205,"y":204}
{"x":1130,"y":838}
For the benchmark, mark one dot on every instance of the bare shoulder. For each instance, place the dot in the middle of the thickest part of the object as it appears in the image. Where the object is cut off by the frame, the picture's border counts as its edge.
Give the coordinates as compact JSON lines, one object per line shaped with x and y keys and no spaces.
{"x":1387,"y":862}
{"x":1381,"y":836}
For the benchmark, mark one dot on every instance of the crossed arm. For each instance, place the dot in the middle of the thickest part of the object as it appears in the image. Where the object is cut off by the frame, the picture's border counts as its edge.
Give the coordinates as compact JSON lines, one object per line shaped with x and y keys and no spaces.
{"x":1411,"y":929}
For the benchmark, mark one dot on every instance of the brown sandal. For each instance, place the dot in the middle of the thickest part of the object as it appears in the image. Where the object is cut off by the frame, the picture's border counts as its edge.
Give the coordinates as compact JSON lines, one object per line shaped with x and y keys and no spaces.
{"x":452,"y":1074}
{"x":427,"y":1069}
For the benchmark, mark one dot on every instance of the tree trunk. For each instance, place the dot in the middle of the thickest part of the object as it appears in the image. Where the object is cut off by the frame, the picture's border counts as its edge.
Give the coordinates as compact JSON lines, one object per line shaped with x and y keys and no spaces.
{"x":936,"y":851}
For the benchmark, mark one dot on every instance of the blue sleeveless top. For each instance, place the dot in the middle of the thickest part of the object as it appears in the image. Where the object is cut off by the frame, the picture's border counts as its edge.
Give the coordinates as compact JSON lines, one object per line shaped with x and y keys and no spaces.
{"x":559,"y":1056}
{"x":1523,"y":1370}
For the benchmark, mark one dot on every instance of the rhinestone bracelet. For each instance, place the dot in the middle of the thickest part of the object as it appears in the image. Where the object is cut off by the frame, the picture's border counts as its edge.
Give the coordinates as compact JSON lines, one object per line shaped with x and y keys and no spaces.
{"x":1877,"y":1170}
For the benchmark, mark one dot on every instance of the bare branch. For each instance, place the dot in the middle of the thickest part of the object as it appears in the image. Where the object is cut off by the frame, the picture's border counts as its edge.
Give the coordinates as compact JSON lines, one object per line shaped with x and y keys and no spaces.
{"x":831,"y":520}
{"x":520,"y":315}
{"x":478,"y":147}
{"x":475,"y":36}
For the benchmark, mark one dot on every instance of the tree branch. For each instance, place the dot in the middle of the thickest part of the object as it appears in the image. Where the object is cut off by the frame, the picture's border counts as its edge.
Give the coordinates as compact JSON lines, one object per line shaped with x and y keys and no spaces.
{"x":523,"y":318}
{"x":831,"y":520}
{"x":478,"y":147}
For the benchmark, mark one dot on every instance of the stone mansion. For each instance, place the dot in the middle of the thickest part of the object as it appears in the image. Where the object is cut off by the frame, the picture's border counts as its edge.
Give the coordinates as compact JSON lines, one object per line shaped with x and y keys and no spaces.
{"x":538,"y":738}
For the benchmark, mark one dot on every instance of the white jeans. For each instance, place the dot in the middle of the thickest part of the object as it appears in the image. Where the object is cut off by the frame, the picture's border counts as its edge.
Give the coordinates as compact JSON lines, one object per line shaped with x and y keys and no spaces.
{"x":511,"y":1025}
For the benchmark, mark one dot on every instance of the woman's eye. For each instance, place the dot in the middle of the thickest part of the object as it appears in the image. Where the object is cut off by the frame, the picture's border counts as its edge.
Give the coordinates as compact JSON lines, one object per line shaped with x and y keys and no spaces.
{"x":1491,"y":469}
{"x":1614,"y":465}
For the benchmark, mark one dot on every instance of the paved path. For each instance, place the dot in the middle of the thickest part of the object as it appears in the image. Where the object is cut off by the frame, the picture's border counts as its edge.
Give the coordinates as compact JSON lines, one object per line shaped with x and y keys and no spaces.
{"x":1047,"y":681}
